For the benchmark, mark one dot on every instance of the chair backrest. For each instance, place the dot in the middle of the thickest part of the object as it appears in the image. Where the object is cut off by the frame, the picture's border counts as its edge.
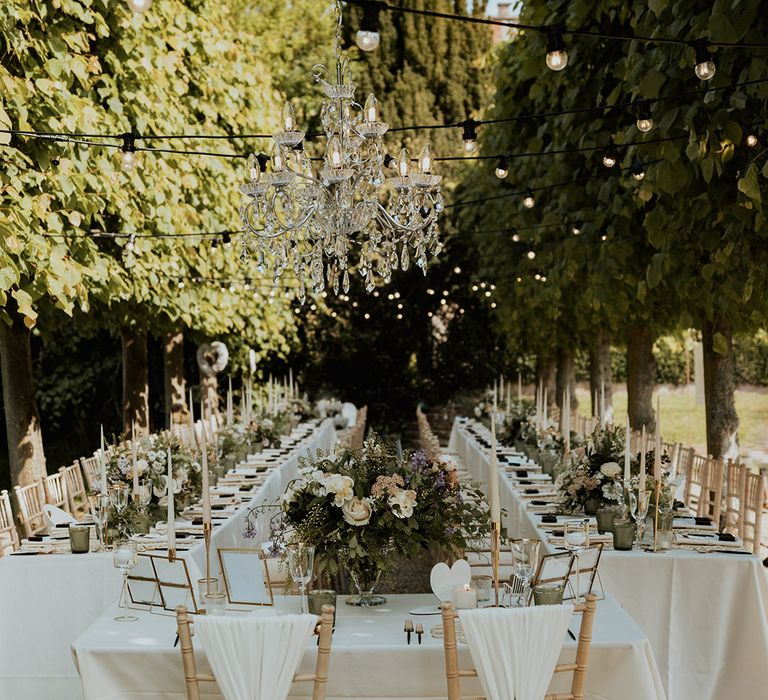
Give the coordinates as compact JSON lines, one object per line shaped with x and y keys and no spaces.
{"x":76,"y":491}
{"x":694,"y":478}
{"x":55,"y":489}
{"x":751,"y":516}
{"x":9,"y":536}
{"x":735,"y":481}
{"x":578,"y":668}
{"x":711,"y":496}
{"x":324,"y":630}
{"x":92,"y":472}
{"x":31,"y":500}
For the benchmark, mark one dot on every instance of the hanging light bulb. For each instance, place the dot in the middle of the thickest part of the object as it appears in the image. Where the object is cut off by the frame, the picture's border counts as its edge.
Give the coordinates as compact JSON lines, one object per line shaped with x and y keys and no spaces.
{"x":576,"y":229}
{"x":469,"y":136}
{"x":502,"y":167}
{"x":288,"y":117}
{"x":557,"y":56}
{"x":139,"y":5}
{"x":644,"y":121}
{"x":610,"y":157}
{"x":531,"y":254}
{"x":403,"y":163}
{"x":638,"y":172}
{"x":515,"y":237}
{"x":752,"y":140}
{"x":529,"y":200}
{"x":371,"y":109}
{"x":367,"y":37}
{"x":426,"y":159}
{"x":128,"y":153}
{"x":705,"y":67}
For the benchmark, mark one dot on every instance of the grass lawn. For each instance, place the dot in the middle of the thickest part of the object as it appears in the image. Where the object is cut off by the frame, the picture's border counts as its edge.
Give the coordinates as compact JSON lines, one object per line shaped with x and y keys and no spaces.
{"x":682,"y":420}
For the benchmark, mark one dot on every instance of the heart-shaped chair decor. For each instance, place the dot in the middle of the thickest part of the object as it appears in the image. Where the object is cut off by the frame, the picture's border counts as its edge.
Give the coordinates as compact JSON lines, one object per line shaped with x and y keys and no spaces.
{"x":443,"y":578}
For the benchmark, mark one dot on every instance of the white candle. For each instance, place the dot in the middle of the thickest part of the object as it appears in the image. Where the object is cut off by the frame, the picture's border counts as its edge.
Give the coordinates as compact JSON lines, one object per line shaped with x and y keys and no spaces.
{"x":252,"y":359}
{"x":191,"y":411}
{"x":509,"y":396}
{"x":270,"y":396}
{"x":494,"y":396}
{"x":206,"y":485}
{"x":627,"y":455}
{"x":501,"y":386}
{"x":519,"y":387}
{"x":290,"y":380}
{"x":657,"y":448}
{"x":171,"y":516}
{"x":544,"y":408}
{"x":602,"y":403}
{"x":493,"y":479}
{"x":134,"y":454}
{"x":229,"y":402}
{"x":464,"y":597}
{"x":567,"y":421}
{"x":642,"y":459}
{"x":103,"y":461}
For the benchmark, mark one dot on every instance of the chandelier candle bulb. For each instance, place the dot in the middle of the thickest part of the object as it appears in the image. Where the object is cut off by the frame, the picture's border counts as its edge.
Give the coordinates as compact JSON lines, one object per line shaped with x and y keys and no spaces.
{"x":426,"y":160}
{"x":403,"y":163}
{"x":371,"y":108}
{"x":288,"y":116}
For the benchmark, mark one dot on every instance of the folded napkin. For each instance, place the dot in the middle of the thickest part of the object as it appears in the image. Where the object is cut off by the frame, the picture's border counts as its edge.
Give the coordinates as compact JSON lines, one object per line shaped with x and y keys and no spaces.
{"x":715,"y":539}
{"x":689,"y":523}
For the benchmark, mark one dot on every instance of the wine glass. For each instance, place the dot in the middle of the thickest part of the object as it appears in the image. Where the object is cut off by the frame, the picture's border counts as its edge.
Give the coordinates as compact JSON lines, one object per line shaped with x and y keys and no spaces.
{"x":638,"y":505}
{"x":301,"y":559}
{"x":124,"y":557}
{"x":576,"y":537}
{"x":99,"y":504}
{"x":119,"y":495}
{"x":525,"y":557}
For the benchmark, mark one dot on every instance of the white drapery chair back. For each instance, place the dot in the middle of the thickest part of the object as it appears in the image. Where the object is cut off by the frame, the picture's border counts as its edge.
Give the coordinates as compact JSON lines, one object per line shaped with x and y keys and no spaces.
{"x":349,"y":411}
{"x":253,"y":657}
{"x":515,"y":650}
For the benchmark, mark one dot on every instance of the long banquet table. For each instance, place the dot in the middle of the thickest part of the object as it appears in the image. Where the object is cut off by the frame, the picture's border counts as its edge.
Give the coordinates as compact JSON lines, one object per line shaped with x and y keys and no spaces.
{"x":706,"y":615}
{"x":369,"y":657}
{"x":46,"y":601}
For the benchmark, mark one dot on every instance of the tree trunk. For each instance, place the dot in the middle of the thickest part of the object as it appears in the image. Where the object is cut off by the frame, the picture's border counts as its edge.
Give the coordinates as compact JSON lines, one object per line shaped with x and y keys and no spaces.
{"x":600,"y":373}
{"x":566,"y":377}
{"x":209,"y":394}
{"x":22,"y":422}
{"x":719,"y":392}
{"x":135,"y":382}
{"x":641,"y":377}
{"x":546,"y":370}
{"x":175,"y":389}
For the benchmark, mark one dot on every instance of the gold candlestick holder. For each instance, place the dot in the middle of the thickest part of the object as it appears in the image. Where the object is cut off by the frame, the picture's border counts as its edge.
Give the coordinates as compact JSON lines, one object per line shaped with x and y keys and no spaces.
{"x":207,"y":529}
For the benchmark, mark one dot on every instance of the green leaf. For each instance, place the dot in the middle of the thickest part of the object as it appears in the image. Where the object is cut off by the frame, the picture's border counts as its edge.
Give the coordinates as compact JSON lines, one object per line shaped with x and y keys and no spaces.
{"x":720,"y":344}
{"x":750,"y":186}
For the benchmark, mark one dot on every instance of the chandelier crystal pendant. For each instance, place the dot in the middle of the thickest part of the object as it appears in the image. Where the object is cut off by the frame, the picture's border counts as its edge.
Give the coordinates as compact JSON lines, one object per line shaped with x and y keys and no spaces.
{"x":319,"y":222}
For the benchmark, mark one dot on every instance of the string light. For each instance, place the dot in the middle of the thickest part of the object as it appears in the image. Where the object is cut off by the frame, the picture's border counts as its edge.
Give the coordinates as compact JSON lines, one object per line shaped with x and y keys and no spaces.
{"x":368,"y":37}
{"x":752,"y":140}
{"x":644,"y":120}
{"x":531,"y":254}
{"x":502,"y":167}
{"x":576,"y":229}
{"x":529,"y":201}
{"x":557,"y":56}
{"x":638,"y":172}
{"x":139,"y":5}
{"x":705,"y":67}
{"x":128,"y":153}
{"x":610,"y":157}
{"x":469,"y":136}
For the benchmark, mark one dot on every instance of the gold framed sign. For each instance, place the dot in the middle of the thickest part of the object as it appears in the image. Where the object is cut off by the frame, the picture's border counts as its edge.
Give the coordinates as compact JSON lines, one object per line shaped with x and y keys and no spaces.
{"x":245,"y":575}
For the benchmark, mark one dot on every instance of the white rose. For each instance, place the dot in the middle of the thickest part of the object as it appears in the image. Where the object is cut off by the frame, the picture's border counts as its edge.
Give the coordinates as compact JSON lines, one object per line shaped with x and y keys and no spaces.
{"x":611,"y":469}
{"x":357,"y":511}
{"x":340,"y":486}
{"x":142,"y":466}
{"x":405,"y":500}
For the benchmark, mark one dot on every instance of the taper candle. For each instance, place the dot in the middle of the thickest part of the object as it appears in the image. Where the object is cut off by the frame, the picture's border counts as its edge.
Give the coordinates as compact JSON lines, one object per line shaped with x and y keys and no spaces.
{"x":134,"y":455}
{"x":642,"y":459}
{"x":204,"y":472}
{"x":627,"y":455}
{"x":657,"y":447}
{"x":171,"y":512}
{"x":493,"y":479}
{"x":103,"y":461}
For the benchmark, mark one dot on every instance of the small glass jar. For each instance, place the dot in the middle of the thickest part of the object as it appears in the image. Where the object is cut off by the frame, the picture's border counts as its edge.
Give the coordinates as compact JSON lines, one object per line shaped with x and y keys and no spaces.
{"x":664,"y":535}
{"x":205,"y":586}
{"x":79,"y":538}
{"x":215,"y":603}
{"x":623,"y":534}
{"x":548,"y":594}
{"x":483,"y":584}
{"x":605,"y":517}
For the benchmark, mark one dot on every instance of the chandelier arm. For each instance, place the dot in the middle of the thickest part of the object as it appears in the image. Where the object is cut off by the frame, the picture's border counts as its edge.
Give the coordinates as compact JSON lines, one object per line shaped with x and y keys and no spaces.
{"x":388,"y":220}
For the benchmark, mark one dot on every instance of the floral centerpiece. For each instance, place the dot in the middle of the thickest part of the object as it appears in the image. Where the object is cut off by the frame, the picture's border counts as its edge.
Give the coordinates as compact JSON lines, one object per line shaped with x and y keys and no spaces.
{"x":592,"y":477}
{"x":518,"y":424}
{"x":363,"y":508}
{"x":484,"y":407}
{"x":234,"y":441}
{"x":151,"y":461}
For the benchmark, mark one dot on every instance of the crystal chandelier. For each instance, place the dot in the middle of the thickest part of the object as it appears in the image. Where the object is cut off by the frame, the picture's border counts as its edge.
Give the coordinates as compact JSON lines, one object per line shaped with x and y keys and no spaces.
{"x":319,"y":223}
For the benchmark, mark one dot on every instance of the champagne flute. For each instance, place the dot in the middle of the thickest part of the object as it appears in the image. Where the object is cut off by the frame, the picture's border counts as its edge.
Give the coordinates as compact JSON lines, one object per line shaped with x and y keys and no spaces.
{"x":576,"y":537}
{"x":525,"y":556}
{"x":301,"y":558}
{"x":99,"y":504}
{"x":124,"y":557}
{"x":118,"y":497}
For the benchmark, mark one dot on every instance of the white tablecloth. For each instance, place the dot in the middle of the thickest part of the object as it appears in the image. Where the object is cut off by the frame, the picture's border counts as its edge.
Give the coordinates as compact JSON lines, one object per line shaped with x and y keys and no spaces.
{"x":47,"y":601}
{"x":706,"y":615}
{"x":369,"y":657}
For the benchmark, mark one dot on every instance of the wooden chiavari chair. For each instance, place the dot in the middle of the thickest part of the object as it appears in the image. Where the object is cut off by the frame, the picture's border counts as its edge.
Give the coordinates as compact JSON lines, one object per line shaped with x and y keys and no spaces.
{"x":76,"y":491}
{"x":9,"y":536}
{"x":751,"y":515}
{"x":735,"y":481}
{"x":711,"y":496}
{"x":324,"y":630}
{"x":31,"y":500}
{"x":55,"y":489}
{"x":694,"y":479}
{"x":453,"y":673}
{"x":92,"y":472}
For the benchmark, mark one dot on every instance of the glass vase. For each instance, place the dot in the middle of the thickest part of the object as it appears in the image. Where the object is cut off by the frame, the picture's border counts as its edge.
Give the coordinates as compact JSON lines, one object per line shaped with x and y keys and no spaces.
{"x":591,"y":505}
{"x":365,"y":581}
